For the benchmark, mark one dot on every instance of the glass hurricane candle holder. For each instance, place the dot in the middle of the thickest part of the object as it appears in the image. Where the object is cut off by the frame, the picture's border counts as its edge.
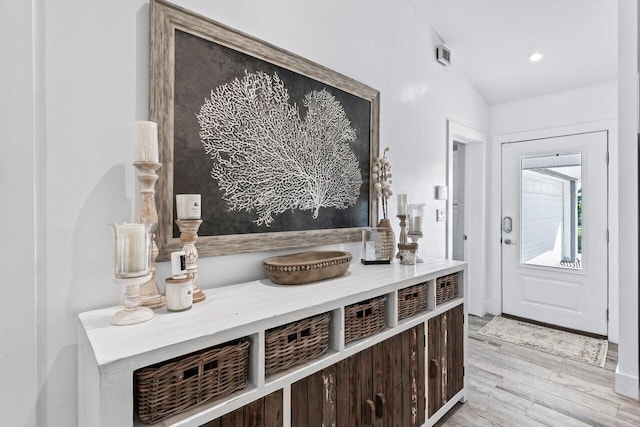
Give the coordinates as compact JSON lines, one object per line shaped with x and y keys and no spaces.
{"x":132,"y":252}
{"x":414,"y":232}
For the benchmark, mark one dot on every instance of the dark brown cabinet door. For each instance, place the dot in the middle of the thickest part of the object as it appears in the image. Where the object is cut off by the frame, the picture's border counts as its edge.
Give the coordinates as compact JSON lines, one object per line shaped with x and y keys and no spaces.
{"x":380,"y":386}
{"x":445,"y":361}
{"x":265,"y":412}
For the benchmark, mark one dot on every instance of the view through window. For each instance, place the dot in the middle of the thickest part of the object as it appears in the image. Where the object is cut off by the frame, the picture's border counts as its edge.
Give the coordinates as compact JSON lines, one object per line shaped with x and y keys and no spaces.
{"x":551,"y":210}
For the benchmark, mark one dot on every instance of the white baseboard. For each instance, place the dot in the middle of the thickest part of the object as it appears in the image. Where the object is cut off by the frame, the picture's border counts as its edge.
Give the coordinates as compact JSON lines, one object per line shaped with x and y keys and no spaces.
{"x":627,"y":385}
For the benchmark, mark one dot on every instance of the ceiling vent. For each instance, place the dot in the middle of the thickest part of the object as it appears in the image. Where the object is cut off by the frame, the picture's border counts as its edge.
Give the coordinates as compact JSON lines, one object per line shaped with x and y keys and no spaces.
{"x":443,"y":54}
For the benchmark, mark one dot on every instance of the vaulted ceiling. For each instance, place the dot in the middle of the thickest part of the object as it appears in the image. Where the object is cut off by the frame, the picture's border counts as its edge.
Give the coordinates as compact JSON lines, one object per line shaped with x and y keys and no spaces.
{"x":491,"y":41}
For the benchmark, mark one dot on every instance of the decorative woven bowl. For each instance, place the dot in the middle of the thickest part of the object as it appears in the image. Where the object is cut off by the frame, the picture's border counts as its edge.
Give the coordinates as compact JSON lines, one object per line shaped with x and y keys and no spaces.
{"x":307,"y":267}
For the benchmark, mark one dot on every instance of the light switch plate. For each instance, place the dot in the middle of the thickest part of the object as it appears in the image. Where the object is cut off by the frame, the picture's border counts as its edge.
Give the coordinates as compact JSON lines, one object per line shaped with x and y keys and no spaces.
{"x":441,"y":215}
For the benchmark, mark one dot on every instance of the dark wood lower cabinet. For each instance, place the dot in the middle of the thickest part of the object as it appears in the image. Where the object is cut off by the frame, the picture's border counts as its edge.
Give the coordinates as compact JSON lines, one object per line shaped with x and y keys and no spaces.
{"x":265,"y":412}
{"x":445,"y":357}
{"x":380,"y":386}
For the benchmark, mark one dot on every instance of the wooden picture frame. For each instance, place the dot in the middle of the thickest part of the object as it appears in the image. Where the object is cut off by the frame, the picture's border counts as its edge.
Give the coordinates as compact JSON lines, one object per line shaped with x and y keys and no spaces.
{"x":170,"y":22}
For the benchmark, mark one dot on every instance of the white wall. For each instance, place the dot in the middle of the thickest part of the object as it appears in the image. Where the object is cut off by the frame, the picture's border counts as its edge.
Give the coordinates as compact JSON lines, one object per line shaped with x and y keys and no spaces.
{"x":627,"y":372}
{"x":18,"y":362}
{"x":95,"y":84}
{"x":583,"y":105}
{"x":580,"y":110}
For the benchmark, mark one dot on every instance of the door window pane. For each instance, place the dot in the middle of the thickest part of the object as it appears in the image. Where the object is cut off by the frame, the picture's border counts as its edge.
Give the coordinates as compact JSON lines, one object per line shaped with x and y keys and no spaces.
{"x":551,"y":210}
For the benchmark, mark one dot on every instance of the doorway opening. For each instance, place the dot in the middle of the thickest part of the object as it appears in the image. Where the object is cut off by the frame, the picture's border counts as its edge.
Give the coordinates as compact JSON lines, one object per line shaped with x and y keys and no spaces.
{"x":468,"y":176}
{"x":458,"y":202}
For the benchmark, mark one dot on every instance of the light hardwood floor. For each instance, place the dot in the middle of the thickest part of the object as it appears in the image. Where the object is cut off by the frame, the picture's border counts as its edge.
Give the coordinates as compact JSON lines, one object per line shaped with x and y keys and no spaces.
{"x":510,"y":385}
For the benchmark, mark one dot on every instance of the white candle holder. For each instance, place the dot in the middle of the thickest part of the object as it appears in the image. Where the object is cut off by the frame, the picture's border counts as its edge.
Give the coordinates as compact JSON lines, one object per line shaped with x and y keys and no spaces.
{"x":132,"y":313}
{"x":147,"y":213}
{"x":131,"y":268}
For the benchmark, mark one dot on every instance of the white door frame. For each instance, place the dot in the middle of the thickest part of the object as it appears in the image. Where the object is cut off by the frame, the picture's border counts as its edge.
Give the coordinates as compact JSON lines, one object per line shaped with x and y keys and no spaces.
{"x":494,"y":276}
{"x":474,"y":218}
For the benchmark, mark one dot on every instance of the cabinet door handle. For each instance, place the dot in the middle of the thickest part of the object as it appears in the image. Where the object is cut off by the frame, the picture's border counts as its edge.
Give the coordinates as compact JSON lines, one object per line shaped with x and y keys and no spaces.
{"x":381,"y":402}
{"x":370,"y":412}
{"x":433,"y":368}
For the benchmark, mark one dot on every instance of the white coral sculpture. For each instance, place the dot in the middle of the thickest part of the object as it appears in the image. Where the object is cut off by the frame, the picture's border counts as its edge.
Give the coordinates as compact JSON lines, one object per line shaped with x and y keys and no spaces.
{"x":381,"y":177}
{"x":267,"y":159}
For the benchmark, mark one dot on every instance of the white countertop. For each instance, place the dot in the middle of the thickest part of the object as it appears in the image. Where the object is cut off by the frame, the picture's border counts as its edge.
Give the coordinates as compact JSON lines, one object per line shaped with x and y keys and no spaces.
{"x":258,"y":304}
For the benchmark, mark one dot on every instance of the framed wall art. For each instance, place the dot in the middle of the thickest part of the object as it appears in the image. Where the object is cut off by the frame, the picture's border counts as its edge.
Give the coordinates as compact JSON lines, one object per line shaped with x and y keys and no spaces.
{"x":279,"y":147}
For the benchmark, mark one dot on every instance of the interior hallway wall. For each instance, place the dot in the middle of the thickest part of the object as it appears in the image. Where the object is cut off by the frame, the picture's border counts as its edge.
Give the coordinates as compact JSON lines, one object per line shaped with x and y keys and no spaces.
{"x":628,"y":370}
{"x":18,"y":352}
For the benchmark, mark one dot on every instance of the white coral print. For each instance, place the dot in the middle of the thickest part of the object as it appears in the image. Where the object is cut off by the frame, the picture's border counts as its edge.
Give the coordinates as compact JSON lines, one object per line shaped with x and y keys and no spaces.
{"x":266,"y":159}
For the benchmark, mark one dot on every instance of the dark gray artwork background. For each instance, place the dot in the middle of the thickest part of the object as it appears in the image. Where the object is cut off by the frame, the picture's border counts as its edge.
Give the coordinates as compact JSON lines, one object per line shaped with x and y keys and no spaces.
{"x":200,"y":66}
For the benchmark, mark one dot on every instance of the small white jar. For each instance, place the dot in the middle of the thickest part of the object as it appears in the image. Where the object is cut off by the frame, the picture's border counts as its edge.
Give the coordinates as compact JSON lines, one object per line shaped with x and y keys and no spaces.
{"x":179,"y":292}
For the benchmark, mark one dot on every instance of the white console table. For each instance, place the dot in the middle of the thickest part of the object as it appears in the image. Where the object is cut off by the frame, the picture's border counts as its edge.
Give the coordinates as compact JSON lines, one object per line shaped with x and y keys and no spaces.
{"x":108,"y":355}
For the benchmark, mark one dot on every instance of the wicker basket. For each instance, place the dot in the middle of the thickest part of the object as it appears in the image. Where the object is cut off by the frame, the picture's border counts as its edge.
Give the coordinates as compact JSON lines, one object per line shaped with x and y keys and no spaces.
{"x":171,"y":387}
{"x":295,"y":343}
{"x":412,"y":300}
{"x":446,"y":288}
{"x":364,"y":319}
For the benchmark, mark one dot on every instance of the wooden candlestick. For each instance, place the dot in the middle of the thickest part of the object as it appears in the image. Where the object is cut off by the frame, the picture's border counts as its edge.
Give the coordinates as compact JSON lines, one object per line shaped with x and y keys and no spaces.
{"x":147,"y":176}
{"x":402,"y":240}
{"x":133,"y":312}
{"x":189,"y":236}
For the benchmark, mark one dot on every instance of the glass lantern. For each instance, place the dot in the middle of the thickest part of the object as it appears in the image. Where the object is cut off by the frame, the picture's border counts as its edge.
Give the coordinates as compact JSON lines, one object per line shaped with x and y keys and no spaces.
{"x":414,"y":230}
{"x":131,"y":259}
{"x":131,"y":250}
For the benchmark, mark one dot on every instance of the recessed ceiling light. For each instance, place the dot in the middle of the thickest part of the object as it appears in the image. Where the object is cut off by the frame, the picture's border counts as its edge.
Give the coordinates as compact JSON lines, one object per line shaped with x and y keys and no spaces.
{"x":535,"y":57}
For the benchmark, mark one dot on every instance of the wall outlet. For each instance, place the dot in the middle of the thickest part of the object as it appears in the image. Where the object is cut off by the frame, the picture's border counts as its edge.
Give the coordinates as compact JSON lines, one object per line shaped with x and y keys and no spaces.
{"x":441,"y":215}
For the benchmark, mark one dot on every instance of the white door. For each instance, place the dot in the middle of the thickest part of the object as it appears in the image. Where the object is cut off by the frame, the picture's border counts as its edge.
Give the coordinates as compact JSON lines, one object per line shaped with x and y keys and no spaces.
{"x":554,"y":231}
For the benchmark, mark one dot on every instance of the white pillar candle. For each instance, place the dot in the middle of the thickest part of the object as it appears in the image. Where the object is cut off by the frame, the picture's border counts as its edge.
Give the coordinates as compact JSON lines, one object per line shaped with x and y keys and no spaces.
{"x":146,"y":145}
{"x":132,"y":254}
{"x":188,"y":206}
{"x":402,"y":204}
{"x":415,"y":224}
